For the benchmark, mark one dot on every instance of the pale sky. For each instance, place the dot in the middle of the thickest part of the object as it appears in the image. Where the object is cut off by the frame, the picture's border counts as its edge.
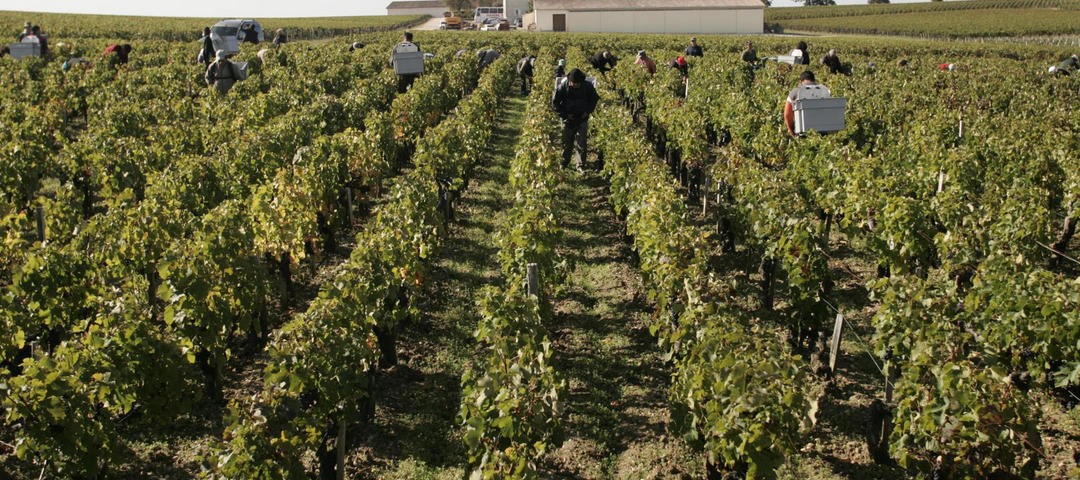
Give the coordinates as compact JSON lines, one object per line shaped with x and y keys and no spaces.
{"x":248,"y":8}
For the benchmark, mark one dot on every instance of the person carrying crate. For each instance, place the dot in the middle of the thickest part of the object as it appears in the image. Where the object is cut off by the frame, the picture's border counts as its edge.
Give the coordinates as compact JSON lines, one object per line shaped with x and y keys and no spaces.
{"x":812,"y":107}
{"x":222,"y":74}
{"x":408,"y":62}
{"x":806,"y":78}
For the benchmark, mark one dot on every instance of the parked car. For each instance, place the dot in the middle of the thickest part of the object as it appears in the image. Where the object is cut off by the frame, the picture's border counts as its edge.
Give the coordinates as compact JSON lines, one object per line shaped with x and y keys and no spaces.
{"x":227,"y":34}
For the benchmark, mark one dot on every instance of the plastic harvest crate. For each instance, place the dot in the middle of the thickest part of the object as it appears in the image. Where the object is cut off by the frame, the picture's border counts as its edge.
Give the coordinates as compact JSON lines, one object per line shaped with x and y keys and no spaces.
{"x":25,"y":49}
{"x":408,"y":63}
{"x":816,"y":110}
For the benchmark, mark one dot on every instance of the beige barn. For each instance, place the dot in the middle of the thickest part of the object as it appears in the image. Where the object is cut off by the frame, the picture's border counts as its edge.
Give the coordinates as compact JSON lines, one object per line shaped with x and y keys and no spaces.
{"x":435,"y":8}
{"x":650,"y":16}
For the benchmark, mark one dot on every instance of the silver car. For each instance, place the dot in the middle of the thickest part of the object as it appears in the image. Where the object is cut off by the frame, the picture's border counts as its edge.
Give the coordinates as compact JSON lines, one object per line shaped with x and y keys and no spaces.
{"x":227,"y":34}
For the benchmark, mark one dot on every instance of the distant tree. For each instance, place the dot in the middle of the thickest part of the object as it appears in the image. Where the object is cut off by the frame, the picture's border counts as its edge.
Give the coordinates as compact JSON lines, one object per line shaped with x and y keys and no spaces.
{"x":768,"y":3}
{"x":817,"y":3}
{"x":455,"y":5}
{"x":871,"y":2}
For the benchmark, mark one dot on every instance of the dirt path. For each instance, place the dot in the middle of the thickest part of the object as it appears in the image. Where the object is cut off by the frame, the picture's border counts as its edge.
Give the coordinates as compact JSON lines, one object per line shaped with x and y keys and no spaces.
{"x":416,"y":432}
{"x":617,"y":416}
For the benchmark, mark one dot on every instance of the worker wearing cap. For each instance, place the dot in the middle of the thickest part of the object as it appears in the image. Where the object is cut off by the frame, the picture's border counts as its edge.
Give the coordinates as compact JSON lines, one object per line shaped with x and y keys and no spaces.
{"x":679,"y":63}
{"x":694,"y":50}
{"x":221,"y":74}
{"x":807,"y":78}
{"x":560,"y":69}
{"x":646,"y":62}
{"x":574,"y":101}
{"x":1068,"y":65}
{"x":603,"y":61}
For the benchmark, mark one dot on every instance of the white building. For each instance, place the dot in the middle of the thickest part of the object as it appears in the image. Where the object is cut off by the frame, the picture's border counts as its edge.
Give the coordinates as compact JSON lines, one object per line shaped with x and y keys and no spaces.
{"x":514,"y":9}
{"x":435,"y":8}
{"x":650,"y":16}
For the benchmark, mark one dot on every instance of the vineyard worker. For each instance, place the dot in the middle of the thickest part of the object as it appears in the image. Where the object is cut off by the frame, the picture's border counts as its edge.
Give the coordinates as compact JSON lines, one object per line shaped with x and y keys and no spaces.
{"x":804,"y":56}
{"x":486,"y":57}
{"x":574,"y":101}
{"x":221,"y":74}
{"x":280,"y":37}
{"x":250,"y":35}
{"x":42,"y":39}
{"x":26,"y":31}
{"x":525,"y":68}
{"x":355,"y":46}
{"x":560,"y":69}
{"x":679,"y":63}
{"x":647,"y":63}
{"x":206,"y":53}
{"x":406,"y":45}
{"x":694,"y":50}
{"x":76,"y":62}
{"x":832,"y":62}
{"x":117,"y":54}
{"x":603,"y":61}
{"x":1068,"y":65}
{"x":749,"y":55}
{"x":807,"y":78}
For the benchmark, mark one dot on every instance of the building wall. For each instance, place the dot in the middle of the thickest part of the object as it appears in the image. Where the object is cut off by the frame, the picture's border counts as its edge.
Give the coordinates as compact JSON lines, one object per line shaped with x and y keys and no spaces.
{"x":658,"y":21}
{"x":510,"y":6}
{"x":434,"y":12}
{"x":543,"y":19}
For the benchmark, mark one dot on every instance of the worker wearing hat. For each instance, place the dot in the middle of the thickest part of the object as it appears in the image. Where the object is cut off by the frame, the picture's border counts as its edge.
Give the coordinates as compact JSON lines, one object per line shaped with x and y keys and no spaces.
{"x":646,"y":62}
{"x":221,"y":74}
{"x":560,"y":69}
{"x":574,"y":101}
{"x":694,"y":50}
{"x":25,"y":31}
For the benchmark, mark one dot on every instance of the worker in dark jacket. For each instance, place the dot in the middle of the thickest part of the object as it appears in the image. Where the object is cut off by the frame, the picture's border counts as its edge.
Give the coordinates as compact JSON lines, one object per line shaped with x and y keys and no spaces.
{"x":1068,"y":65}
{"x":603,"y":61}
{"x":832,"y":62}
{"x":117,"y":54}
{"x":694,"y":50}
{"x":280,"y":37}
{"x":525,"y":69}
{"x":486,"y":57}
{"x":206,"y":54}
{"x":749,"y":55}
{"x":560,"y":69}
{"x":574,"y":101}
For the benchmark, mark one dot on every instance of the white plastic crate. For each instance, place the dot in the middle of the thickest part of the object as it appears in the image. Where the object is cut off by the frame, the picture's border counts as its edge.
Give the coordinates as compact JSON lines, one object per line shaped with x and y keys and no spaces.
{"x":25,"y":49}
{"x":408,"y":63}
{"x":819,"y":114}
